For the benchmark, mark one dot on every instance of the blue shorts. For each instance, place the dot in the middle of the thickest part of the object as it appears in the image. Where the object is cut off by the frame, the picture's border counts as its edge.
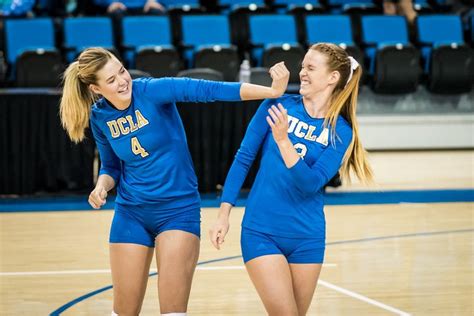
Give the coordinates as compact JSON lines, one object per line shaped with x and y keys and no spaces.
{"x":296,"y":250}
{"x":141,"y":225}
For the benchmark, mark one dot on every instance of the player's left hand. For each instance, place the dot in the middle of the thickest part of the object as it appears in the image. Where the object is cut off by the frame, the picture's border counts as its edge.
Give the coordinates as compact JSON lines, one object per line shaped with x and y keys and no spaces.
{"x":278,"y":121}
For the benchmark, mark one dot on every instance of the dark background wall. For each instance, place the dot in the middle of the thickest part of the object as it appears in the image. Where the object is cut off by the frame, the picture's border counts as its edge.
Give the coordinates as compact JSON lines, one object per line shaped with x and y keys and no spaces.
{"x":37,"y":157}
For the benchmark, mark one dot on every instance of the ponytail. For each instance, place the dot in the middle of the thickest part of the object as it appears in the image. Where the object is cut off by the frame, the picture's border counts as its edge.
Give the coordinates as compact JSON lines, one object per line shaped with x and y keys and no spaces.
{"x":77,"y":98}
{"x":345,"y":103}
{"x":75,"y":104}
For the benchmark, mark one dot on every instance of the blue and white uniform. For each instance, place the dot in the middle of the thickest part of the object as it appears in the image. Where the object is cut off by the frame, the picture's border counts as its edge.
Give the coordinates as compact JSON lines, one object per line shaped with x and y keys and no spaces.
{"x":144,"y":149}
{"x":284,"y":212}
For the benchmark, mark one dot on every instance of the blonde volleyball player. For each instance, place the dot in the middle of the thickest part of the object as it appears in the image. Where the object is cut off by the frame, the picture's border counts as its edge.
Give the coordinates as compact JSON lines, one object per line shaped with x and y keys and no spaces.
{"x":305,"y":139}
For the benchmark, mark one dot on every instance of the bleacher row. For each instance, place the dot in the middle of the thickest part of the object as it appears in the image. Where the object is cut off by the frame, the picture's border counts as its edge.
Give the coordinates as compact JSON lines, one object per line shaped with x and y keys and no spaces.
{"x":396,"y":59}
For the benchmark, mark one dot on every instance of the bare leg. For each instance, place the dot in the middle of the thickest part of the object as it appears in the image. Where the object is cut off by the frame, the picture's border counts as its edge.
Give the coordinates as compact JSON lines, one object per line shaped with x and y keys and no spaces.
{"x":177,"y":253}
{"x":130,"y":265}
{"x":272,"y":278}
{"x":305,"y":277}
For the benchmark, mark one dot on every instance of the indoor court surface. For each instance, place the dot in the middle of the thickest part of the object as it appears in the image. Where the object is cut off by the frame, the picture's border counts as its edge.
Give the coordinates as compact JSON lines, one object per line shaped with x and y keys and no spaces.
{"x":403,"y":248}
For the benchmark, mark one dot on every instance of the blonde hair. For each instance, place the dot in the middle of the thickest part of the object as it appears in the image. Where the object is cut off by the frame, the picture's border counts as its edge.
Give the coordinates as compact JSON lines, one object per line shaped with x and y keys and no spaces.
{"x":344,"y":102}
{"x":77,"y":98}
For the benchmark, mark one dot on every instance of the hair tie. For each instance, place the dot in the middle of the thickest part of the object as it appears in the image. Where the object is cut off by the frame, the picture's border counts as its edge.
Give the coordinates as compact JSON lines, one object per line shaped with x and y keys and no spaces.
{"x":354,"y":65}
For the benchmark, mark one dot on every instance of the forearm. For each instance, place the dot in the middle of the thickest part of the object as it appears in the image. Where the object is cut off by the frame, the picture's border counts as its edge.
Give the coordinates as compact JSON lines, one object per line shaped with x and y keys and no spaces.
{"x":224,"y":210}
{"x":288,"y":153}
{"x":250,"y":91}
{"x":106,"y":181}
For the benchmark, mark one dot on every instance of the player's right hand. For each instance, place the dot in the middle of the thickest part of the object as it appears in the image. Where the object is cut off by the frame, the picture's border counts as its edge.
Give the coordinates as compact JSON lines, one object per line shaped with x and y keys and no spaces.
{"x":98,"y":197}
{"x":280,"y":76}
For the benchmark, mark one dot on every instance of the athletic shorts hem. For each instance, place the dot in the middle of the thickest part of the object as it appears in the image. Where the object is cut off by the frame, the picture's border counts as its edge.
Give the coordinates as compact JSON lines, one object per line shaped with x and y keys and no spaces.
{"x":136,"y":242}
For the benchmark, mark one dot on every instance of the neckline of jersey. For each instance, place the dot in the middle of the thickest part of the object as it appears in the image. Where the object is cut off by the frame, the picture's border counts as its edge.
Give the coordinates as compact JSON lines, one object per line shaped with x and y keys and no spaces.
{"x":306,"y":112}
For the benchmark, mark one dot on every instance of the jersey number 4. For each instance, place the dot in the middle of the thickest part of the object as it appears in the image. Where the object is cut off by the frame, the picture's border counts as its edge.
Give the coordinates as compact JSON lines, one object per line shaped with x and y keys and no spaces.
{"x":137,"y":149}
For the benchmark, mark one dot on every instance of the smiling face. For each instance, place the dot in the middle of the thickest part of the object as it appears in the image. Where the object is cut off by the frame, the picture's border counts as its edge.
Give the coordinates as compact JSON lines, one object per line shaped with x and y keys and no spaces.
{"x":114,"y":83}
{"x":315,"y":75}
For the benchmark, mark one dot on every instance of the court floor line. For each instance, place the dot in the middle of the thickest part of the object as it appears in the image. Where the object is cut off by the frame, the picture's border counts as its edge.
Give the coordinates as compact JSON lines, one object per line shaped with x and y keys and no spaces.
{"x":362,"y":298}
{"x":107,"y":271}
{"x":240,"y":267}
{"x":79,"y":203}
{"x":90,"y":294}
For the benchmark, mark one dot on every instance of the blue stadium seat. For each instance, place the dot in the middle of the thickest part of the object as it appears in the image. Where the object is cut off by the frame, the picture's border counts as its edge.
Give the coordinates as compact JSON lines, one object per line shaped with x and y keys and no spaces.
{"x":329,"y":28}
{"x":393,"y":60}
{"x":448,"y":62}
{"x":207,"y":43}
{"x":185,"y":5}
{"x":335,"y":29}
{"x":31,"y":52}
{"x":175,"y":9}
{"x":99,"y":33}
{"x":148,"y":46}
{"x":274,"y":39}
{"x":238,"y":13}
{"x":422,"y":6}
{"x":233,"y":3}
{"x":300,"y":9}
{"x":297,"y":6}
{"x":353,"y":6}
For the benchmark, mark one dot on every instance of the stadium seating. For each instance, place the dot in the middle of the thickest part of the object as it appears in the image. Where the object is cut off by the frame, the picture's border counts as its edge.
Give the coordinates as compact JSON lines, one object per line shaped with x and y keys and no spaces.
{"x":148,"y":45}
{"x":274,"y":39}
{"x":393,"y":60}
{"x":333,"y":29}
{"x":99,"y":33}
{"x":207,"y":43}
{"x":448,"y":61}
{"x":34,"y":60}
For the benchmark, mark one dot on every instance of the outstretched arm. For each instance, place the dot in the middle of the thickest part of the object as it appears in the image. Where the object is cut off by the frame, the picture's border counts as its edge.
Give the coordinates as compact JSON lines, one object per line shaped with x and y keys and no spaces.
{"x":167,"y":90}
{"x":280,"y":76}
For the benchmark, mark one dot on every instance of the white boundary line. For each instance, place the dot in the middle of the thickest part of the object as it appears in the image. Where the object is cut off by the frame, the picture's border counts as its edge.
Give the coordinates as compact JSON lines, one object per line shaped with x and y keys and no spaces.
{"x":207,"y":268}
{"x":362,"y":298}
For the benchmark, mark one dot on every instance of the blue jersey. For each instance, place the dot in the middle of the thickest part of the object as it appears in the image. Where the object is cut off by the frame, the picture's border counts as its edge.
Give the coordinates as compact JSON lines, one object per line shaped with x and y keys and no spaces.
{"x":144,"y":148}
{"x":283,"y":201}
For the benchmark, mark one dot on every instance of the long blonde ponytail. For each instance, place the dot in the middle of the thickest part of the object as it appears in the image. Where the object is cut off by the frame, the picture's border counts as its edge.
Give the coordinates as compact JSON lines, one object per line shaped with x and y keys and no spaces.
{"x":344,"y":102}
{"x":77,"y":98}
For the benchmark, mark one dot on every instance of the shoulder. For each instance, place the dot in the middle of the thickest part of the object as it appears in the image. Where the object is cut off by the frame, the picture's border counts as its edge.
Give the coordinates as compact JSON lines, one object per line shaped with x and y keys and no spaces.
{"x":287,"y":100}
{"x":98,"y":114}
{"x":140,"y":84}
{"x":98,"y":108}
